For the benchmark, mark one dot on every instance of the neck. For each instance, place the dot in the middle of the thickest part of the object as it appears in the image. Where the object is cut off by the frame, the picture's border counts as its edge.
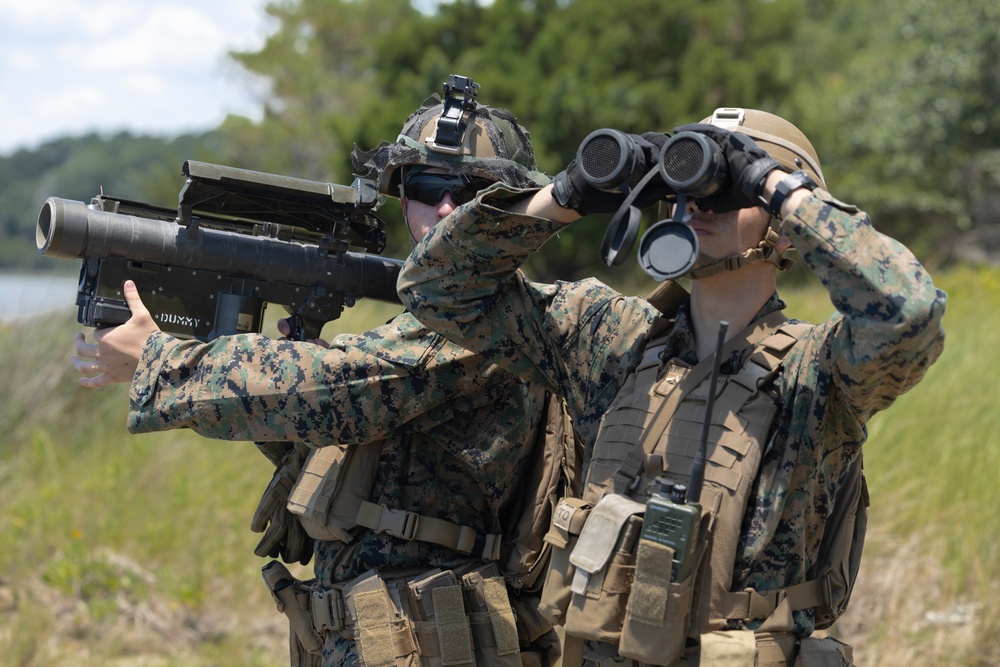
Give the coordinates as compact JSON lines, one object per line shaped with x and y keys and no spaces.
{"x":733,"y":296}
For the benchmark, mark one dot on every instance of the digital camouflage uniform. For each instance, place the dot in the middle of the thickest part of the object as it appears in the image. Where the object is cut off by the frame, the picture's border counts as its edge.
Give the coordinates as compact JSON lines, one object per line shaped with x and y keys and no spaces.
{"x":387,"y":383}
{"x":456,"y":432}
{"x":585,"y":339}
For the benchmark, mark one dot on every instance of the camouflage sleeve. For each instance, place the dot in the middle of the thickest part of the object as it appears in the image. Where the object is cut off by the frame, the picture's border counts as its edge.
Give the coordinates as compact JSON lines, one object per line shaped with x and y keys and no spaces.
{"x":887,"y":329}
{"x":250,"y":387}
{"x":579,"y":338}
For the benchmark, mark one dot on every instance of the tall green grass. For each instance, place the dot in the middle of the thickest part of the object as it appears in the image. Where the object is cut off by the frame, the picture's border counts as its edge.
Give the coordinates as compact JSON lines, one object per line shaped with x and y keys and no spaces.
{"x":114,"y":545}
{"x":135,"y":550}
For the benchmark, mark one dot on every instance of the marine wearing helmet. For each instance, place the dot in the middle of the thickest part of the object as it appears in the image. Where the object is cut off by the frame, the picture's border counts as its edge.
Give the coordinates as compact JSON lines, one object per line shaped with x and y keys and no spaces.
{"x":459,"y":135}
{"x":787,"y":145}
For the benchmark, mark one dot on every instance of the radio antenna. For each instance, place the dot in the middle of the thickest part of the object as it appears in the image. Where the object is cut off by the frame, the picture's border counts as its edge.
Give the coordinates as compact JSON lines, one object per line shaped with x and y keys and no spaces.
{"x":698,"y":467}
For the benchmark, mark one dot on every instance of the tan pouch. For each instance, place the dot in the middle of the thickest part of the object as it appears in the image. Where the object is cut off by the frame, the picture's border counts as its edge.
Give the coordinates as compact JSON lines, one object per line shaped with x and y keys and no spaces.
{"x":381,"y":632}
{"x":729,"y":648}
{"x":331,"y":487}
{"x":824,"y":652}
{"x":435,"y":606}
{"x":567,"y":522}
{"x":604,"y":563}
{"x":491,"y":618}
{"x":658,"y":611}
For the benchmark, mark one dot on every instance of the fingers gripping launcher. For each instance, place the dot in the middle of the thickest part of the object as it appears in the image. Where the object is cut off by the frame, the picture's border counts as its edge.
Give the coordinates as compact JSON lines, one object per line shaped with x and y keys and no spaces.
{"x":690,"y":164}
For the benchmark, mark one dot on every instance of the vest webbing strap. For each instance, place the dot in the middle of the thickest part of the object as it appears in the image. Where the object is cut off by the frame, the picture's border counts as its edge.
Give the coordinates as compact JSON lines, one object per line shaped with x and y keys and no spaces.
{"x":632,"y":465}
{"x":749,"y":605}
{"x":412,"y":526}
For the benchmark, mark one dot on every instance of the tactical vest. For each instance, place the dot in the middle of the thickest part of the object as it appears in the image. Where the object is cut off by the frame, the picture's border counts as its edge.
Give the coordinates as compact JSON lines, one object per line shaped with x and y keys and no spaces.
{"x":330,"y":499}
{"x":609,"y":584}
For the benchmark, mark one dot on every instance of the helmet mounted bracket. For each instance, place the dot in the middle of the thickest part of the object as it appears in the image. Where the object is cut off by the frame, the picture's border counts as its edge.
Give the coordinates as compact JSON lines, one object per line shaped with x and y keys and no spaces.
{"x":459,"y":101}
{"x":728,"y":118}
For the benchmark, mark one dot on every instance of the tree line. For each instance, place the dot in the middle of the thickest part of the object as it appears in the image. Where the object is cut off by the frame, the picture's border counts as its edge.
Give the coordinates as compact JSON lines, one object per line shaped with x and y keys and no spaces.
{"x":899,"y":99}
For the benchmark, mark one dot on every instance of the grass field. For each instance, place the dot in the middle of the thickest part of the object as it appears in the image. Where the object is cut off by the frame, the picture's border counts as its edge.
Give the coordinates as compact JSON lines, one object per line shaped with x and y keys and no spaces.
{"x":135,"y":550}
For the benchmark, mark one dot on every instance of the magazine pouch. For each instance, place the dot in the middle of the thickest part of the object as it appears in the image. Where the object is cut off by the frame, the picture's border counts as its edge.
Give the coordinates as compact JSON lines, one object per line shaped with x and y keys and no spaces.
{"x":604,"y":566}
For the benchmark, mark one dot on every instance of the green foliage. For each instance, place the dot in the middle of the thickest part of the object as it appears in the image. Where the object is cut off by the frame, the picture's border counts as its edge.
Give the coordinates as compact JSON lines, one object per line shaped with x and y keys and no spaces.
{"x":898,"y":99}
{"x":916,"y":117}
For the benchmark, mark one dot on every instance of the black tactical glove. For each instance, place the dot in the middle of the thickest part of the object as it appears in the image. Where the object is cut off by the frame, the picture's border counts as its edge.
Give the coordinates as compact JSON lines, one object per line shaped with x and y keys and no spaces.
{"x":571,"y":189}
{"x":651,"y":144}
{"x":749,"y":165}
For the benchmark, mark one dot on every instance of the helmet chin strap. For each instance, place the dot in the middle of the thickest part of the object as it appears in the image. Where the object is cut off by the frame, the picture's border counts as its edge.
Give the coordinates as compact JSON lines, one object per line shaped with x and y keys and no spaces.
{"x":766,"y":251}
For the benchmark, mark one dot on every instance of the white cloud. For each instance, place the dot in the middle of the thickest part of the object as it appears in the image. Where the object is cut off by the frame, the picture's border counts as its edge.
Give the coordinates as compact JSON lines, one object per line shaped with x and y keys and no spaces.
{"x":73,"y":66}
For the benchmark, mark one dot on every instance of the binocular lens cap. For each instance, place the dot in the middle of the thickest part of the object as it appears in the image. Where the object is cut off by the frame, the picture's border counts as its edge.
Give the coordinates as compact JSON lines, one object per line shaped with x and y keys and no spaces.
{"x":668,"y":250}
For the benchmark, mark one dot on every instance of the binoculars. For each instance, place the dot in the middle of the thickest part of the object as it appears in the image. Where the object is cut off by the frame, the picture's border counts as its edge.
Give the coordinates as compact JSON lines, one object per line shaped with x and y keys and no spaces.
{"x":690,"y":164}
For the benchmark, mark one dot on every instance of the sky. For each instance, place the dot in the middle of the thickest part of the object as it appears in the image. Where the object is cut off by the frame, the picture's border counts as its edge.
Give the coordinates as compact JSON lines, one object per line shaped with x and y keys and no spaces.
{"x":70,"y":67}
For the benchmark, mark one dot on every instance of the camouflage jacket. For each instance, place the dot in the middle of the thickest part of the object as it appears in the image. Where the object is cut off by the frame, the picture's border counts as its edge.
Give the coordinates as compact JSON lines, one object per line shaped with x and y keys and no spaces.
{"x":585,"y":339}
{"x":386,"y":384}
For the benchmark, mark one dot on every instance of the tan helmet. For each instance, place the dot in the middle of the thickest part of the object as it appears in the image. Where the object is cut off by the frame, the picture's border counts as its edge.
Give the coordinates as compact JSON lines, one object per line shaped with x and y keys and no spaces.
{"x":782,"y":140}
{"x":460,"y":135}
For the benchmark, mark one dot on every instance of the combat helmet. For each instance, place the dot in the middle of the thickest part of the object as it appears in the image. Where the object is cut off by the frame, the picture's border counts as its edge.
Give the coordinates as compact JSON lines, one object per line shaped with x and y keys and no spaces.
{"x":456,"y":133}
{"x":782,"y":140}
{"x":790,"y":147}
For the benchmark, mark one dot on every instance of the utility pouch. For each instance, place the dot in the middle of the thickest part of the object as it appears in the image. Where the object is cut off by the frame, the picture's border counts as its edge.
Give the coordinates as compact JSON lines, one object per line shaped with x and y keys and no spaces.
{"x":604,"y":560}
{"x":328,"y":493}
{"x":658,"y":611}
{"x":435,"y":605}
{"x":567,"y":522}
{"x":824,"y":652}
{"x":380,"y":631}
{"x":491,"y":619}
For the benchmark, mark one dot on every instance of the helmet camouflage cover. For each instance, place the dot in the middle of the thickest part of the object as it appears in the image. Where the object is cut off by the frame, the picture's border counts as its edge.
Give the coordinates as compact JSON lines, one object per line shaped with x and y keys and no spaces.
{"x":492,"y":146}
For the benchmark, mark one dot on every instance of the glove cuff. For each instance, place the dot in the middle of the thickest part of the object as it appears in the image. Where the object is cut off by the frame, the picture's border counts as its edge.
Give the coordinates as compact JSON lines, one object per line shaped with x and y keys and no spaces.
{"x":794,"y":181}
{"x":754,"y":176}
{"x":562,"y":191}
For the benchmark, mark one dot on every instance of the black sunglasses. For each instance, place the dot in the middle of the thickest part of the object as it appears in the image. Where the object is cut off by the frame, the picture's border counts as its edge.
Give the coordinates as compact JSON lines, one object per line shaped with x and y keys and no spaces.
{"x":430,"y":188}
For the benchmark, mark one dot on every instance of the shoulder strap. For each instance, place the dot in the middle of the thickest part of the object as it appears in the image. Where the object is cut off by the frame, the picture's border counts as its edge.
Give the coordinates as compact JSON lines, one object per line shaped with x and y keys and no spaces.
{"x":667,"y":297}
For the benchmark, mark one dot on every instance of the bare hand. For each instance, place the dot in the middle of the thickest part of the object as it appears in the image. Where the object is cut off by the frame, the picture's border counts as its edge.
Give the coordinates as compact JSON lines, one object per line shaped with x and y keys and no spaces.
{"x":114,"y":355}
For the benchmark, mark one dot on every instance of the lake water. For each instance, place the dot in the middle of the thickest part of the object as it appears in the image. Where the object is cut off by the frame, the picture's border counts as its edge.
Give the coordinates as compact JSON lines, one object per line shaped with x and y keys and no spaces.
{"x":28,"y":295}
